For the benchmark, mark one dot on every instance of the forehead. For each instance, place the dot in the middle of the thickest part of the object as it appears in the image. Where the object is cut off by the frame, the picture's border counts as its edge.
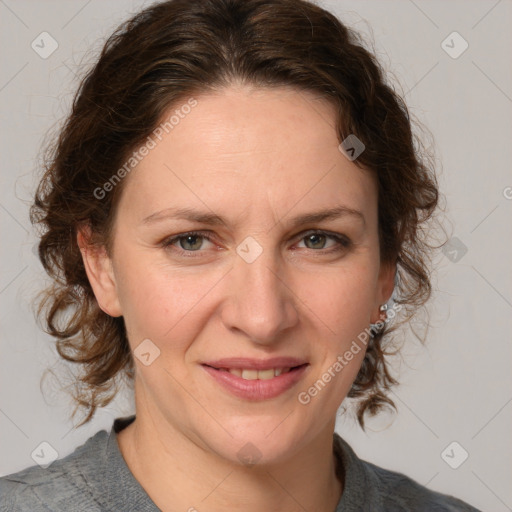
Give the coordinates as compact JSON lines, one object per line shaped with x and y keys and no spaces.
{"x":239,"y":120}
{"x":248,"y":147}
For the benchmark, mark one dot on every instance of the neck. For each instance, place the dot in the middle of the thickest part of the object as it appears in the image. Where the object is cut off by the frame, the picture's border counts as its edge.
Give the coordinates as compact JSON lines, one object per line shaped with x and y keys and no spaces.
{"x":179,"y":474}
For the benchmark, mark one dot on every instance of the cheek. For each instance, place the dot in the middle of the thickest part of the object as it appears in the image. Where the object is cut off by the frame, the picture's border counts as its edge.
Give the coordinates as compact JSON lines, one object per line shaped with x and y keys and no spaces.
{"x":340,"y":306}
{"x":159,"y":304}
{"x":341,"y":298}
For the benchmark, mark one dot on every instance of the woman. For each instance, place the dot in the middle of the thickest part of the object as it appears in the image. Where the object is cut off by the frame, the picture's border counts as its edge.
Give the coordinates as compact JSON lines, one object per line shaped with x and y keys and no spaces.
{"x":233,"y":216}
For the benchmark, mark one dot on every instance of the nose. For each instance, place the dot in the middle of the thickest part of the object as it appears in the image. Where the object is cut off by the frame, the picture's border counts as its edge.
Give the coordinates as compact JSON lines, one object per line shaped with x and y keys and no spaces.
{"x":261,"y":305}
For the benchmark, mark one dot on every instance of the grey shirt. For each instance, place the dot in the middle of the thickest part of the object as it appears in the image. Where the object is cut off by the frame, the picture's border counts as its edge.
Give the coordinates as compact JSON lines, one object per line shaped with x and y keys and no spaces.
{"x":95,"y":478}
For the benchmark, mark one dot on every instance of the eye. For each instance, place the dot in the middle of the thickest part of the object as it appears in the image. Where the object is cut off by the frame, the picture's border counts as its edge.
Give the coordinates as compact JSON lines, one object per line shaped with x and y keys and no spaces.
{"x":316,"y":240}
{"x":187,"y":242}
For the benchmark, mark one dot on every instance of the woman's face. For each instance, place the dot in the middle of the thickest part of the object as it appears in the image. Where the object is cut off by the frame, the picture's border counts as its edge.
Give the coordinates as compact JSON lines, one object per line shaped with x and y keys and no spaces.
{"x":254,"y":282}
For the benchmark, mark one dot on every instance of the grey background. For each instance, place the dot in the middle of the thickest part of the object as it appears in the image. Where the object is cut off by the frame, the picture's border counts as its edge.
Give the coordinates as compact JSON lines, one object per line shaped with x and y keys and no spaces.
{"x":455,"y":388}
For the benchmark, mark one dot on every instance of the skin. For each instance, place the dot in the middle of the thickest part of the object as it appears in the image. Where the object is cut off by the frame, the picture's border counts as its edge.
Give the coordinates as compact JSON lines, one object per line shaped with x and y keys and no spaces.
{"x":258,"y":158}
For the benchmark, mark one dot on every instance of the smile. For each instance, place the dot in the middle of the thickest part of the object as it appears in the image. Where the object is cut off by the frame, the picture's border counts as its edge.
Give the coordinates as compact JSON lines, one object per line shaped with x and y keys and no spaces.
{"x":256,"y":385}
{"x":250,"y":374}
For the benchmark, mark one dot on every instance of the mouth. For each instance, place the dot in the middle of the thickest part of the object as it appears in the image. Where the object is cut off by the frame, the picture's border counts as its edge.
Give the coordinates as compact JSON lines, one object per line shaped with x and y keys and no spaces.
{"x":252,"y":374}
{"x":256,"y":380}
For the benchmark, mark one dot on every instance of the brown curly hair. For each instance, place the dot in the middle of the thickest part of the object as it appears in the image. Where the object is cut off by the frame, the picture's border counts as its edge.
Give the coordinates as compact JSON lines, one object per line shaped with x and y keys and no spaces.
{"x":177,"y":48}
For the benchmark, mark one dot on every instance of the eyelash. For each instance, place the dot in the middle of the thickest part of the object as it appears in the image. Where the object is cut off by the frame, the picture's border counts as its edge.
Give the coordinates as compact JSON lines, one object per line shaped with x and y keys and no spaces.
{"x":343,"y":241}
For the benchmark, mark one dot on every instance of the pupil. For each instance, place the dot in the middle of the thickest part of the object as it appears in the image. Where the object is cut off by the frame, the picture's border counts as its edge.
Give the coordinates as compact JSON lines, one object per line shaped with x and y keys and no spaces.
{"x":188,"y":238}
{"x":317,"y":237}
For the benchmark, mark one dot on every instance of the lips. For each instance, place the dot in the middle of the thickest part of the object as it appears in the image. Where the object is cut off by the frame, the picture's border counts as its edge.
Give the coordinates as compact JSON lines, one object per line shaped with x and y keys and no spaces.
{"x":253,"y":379}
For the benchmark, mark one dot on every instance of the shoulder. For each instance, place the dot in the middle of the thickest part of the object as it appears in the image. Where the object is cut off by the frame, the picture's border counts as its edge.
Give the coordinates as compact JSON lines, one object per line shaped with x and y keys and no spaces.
{"x":402,"y":493}
{"x":372,"y":488}
{"x":53,"y":488}
{"x":28,"y":490}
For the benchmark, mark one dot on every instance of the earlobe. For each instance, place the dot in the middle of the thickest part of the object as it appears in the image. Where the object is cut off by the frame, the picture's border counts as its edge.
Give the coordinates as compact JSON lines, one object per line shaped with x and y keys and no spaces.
{"x":98,"y":267}
{"x":386,"y":285}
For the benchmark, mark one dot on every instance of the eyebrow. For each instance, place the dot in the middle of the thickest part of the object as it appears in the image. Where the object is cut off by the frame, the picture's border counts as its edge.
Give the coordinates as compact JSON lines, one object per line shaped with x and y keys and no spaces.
{"x":213,"y":219}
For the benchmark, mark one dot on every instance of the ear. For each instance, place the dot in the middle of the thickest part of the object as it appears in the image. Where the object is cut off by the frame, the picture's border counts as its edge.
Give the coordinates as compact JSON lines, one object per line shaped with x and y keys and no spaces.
{"x":98,"y":267}
{"x":385,"y":287}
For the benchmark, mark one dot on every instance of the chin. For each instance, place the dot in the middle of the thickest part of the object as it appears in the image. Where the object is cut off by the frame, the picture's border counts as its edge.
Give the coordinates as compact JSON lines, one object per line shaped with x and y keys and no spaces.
{"x":258,"y":442}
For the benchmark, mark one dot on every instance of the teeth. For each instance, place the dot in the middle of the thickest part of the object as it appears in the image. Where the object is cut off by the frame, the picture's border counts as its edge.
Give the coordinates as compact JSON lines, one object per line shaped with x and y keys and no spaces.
{"x":264,"y":374}
{"x":250,"y":374}
{"x":258,"y":374}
